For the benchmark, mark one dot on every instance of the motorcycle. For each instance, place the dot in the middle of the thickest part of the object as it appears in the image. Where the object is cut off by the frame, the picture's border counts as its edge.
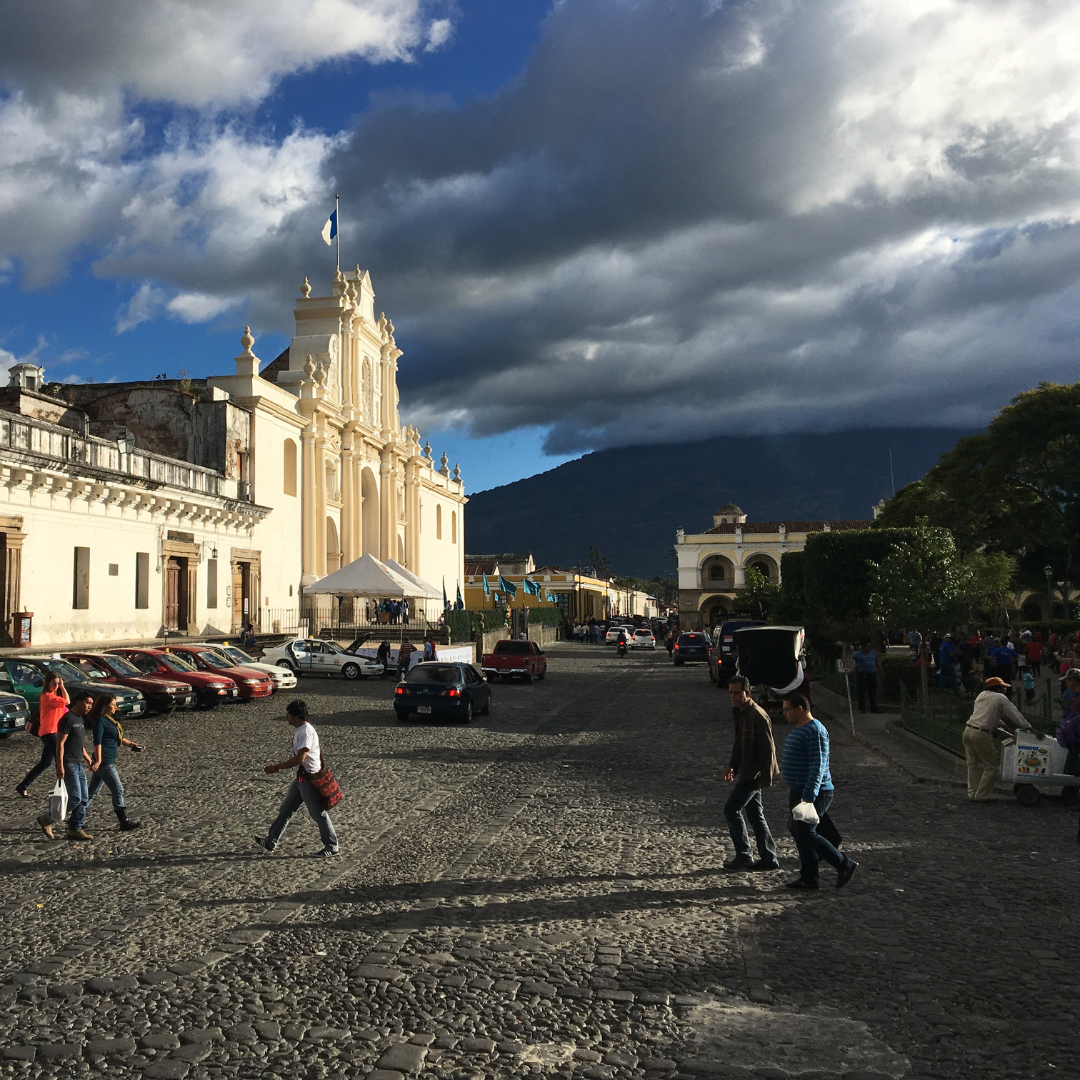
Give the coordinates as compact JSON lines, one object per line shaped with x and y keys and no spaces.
{"x":621,"y":650}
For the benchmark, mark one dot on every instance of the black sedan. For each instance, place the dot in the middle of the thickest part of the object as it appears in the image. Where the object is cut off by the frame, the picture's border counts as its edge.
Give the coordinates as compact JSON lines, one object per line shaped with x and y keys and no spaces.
{"x":691,"y":648}
{"x":441,"y":689}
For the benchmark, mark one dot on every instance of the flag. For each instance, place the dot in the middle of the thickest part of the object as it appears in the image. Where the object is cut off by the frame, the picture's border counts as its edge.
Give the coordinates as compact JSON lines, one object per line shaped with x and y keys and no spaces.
{"x":532,"y":588}
{"x":487,"y":587}
{"x":445,"y":602}
{"x":329,"y":230}
{"x":460,"y":603}
{"x":507,"y":587}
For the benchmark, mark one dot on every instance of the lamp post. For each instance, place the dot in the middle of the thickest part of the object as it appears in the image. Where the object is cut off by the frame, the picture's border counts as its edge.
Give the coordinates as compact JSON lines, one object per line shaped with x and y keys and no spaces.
{"x":1048,"y":570}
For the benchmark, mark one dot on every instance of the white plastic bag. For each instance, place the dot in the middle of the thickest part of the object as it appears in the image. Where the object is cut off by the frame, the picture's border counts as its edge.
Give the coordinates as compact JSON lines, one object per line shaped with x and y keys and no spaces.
{"x":58,"y":802}
{"x":806,"y":812}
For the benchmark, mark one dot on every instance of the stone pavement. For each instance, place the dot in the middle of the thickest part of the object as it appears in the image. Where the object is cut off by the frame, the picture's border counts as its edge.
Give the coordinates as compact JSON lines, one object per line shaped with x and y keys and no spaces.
{"x":538,"y":894}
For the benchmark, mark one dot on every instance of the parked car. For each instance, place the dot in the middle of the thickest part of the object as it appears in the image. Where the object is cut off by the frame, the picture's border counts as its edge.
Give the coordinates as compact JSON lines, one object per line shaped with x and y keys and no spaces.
{"x":643,"y":639}
{"x":26,"y":676}
{"x":724,"y":656}
{"x":690,"y":648}
{"x":436,"y":688}
{"x":283,"y":678}
{"x":14,"y":713}
{"x":211,"y":689}
{"x":310,"y":656}
{"x":524,"y":659}
{"x":163,"y":694}
{"x":250,"y":683}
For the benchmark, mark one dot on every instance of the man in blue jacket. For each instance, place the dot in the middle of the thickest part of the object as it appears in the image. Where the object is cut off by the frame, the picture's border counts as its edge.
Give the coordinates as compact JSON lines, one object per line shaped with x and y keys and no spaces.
{"x":805,"y":768}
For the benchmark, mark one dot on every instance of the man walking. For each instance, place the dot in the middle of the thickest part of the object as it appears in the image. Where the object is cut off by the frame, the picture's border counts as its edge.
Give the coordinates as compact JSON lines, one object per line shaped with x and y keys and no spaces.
{"x":993,"y":712}
{"x":751,"y":768}
{"x":71,"y":756}
{"x":867,"y":666}
{"x":805,"y":766}
{"x":306,"y":759}
{"x":404,"y":652}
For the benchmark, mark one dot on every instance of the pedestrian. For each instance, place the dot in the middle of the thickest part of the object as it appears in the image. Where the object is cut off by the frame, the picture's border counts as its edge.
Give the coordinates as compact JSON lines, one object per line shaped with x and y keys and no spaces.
{"x":1034,"y":653}
{"x":946,"y":673}
{"x":669,"y":642}
{"x":1003,"y":658}
{"x":867,"y":666}
{"x":751,"y":767}
{"x":71,"y":756}
{"x":307,"y":760}
{"x":805,"y":765}
{"x":914,"y":639}
{"x":52,"y":705}
{"x":1068,"y":733}
{"x":993,"y":712}
{"x":383,"y":657}
{"x":406,"y":650}
{"x":430,"y":652}
{"x":108,"y":738}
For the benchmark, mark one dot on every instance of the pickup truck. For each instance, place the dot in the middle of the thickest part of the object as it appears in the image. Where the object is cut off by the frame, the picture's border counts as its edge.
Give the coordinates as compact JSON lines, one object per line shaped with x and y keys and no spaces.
{"x":510,"y":658}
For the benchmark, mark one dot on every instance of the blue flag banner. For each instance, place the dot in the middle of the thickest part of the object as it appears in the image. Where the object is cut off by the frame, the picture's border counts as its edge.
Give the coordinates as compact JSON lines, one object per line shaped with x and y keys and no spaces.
{"x":487,"y":587}
{"x":507,"y":587}
{"x":445,"y":602}
{"x":460,"y":605}
{"x":329,"y":230}
{"x":532,"y":588}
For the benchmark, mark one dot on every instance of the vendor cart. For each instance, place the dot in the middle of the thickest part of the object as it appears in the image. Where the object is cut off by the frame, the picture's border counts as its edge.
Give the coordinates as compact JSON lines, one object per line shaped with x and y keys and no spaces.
{"x":772,"y":658}
{"x":1035,"y":765}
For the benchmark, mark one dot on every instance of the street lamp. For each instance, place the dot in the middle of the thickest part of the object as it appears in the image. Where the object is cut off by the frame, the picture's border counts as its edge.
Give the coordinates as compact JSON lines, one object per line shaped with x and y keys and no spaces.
{"x":1048,"y":570}
{"x":125,"y":443}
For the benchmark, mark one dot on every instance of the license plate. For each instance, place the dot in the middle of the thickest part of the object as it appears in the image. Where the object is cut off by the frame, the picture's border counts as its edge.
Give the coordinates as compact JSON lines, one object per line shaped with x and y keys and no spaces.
{"x":423,"y":709}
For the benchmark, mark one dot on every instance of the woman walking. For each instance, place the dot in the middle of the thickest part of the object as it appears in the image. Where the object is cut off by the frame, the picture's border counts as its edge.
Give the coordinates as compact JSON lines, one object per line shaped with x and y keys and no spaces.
{"x":54,"y":703}
{"x":108,"y":738}
{"x":307,"y":760}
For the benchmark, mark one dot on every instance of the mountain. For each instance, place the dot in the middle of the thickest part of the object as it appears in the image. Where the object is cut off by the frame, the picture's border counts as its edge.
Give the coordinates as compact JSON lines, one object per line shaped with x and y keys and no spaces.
{"x":628,"y":502}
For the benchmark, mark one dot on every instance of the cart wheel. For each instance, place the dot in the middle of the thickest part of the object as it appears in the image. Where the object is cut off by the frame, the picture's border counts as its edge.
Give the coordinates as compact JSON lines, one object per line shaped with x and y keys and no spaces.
{"x":1070,"y":796}
{"x":1026,"y":794}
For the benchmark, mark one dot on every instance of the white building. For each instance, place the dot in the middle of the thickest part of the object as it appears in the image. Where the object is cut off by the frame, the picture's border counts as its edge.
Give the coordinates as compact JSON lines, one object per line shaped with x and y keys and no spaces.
{"x":128,"y":509}
{"x":713,"y":563}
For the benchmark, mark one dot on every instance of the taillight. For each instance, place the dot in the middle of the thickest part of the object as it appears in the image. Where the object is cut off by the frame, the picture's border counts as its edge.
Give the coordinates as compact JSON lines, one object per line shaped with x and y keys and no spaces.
{"x":676,"y":648}
{"x":452,"y":692}
{"x":401,"y":690}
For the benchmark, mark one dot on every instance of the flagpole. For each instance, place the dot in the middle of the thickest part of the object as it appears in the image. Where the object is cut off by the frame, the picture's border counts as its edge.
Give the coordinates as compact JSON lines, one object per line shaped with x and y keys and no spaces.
{"x":337,"y":218}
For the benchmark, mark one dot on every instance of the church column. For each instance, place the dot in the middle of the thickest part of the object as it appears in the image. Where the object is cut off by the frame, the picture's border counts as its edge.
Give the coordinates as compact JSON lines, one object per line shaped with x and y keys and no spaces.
{"x":348,"y":497}
{"x":357,"y":509}
{"x":307,"y":492}
{"x":387,"y":504}
{"x":411,"y":516}
{"x":320,"y":505}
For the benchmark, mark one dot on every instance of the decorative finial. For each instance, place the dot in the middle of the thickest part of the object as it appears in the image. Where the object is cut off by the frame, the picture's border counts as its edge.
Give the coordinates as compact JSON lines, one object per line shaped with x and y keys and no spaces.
{"x":309,"y":368}
{"x":443,"y":464}
{"x":350,"y":290}
{"x":427,"y":450}
{"x":358,"y":271}
{"x":246,"y":341}
{"x":305,"y":289}
{"x":457,"y":473}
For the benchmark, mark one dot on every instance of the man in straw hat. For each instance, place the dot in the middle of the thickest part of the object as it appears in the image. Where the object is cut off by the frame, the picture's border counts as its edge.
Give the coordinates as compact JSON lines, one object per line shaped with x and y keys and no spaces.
{"x":993,"y":713}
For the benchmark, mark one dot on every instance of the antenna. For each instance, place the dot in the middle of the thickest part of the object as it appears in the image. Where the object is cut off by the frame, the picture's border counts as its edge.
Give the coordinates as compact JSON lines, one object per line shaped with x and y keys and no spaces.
{"x":892,"y":475}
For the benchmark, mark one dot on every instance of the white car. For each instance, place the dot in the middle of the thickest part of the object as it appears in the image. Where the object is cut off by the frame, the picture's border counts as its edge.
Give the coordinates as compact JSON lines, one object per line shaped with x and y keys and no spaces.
{"x":283,"y":678}
{"x":643,"y":639}
{"x":312,"y":656}
{"x":612,"y":637}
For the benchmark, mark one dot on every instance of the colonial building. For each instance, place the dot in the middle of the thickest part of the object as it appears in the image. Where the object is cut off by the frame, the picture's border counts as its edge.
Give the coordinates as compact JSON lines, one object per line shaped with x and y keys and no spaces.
{"x":129,"y":509}
{"x":713,"y":563}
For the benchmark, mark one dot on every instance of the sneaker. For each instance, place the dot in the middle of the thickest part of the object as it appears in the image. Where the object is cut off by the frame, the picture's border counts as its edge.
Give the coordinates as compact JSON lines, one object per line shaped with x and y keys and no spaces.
{"x":21,"y":791}
{"x":130,"y":826}
{"x":46,"y":826}
{"x":798,"y":883}
{"x":79,"y":834}
{"x":844,"y":876}
{"x":263,"y":843}
{"x":765,"y":864}
{"x":326,"y":853}
{"x":739,"y":862}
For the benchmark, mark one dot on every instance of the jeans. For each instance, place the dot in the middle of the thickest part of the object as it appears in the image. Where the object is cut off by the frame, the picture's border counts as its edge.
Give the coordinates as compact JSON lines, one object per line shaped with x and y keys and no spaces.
{"x":303,"y":793}
{"x":78,"y":794}
{"x":744,"y":804}
{"x":813,"y":848}
{"x":866,"y":684}
{"x":946,"y":676}
{"x":107,"y":775}
{"x":48,"y":756}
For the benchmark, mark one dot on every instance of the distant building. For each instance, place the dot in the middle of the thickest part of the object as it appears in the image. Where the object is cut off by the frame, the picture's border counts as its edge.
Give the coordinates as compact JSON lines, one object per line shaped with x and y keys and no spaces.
{"x":713,"y":563}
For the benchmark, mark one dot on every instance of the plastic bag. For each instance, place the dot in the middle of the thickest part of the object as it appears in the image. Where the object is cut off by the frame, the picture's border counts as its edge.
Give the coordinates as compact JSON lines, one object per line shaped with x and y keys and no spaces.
{"x":805,"y":812}
{"x":58,"y":802}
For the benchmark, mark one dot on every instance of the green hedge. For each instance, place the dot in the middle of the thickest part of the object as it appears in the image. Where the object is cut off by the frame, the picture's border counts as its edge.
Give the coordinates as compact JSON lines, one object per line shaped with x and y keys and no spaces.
{"x":546,"y":616}
{"x":464,"y":624}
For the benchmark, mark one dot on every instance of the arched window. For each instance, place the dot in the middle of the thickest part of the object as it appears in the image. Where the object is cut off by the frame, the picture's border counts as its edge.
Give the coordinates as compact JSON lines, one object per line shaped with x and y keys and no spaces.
{"x":290,"y":467}
{"x":438,"y":522}
{"x":453,"y":527}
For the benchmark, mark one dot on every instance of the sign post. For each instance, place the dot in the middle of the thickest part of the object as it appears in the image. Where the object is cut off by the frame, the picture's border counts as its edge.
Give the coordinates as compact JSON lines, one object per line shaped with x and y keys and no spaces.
{"x":844,"y":667}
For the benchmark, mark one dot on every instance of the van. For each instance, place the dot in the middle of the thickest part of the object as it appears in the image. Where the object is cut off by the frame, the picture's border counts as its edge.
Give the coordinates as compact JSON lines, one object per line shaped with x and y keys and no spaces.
{"x":723,"y":657}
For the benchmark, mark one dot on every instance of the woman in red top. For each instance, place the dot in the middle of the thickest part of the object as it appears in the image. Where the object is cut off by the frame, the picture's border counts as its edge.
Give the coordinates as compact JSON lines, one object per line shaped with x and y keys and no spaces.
{"x":53,"y":705}
{"x":1034,"y":653}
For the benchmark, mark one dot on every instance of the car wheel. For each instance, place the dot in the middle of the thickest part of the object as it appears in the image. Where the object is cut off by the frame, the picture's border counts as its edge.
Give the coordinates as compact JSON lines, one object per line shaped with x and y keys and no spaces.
{"x":467,"y":718}
{"x":402,"y":715}
{"x":486,"y":711}
{"x":351,"y":671}
{"x":1027,"y":794}
{"x":288,"y":665}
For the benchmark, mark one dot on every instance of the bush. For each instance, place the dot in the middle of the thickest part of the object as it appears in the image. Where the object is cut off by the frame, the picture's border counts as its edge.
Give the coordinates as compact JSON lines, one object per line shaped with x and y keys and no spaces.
{"x":464,"y":624}
{"x":546,"y":616}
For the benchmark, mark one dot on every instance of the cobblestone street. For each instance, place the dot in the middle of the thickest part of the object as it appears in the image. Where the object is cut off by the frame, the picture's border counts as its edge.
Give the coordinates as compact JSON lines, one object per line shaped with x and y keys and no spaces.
{"x":539,"y":893}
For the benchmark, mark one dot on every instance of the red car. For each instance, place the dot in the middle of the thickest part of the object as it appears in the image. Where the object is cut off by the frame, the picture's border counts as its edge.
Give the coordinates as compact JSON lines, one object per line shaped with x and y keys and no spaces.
{"x":211,"y":689}
{"x":252,"y":683}
{"x":163,"y":693}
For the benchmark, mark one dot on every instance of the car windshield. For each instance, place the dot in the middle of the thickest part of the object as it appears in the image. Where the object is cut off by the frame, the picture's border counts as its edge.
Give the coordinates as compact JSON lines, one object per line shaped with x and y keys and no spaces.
{"x":122,"y":666}
{"x":213,"y":658}
{"x":433,"y":673}
{"x":237,"y":656}
{"x":65,"y":670}
{"x":514,"y":648}
{"x":93,"y":670}
{"x":177,"y":663}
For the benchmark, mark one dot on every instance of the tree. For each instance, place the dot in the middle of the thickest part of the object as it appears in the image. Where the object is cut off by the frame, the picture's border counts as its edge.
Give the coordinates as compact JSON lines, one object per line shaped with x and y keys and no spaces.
{"x":761,"y":596}
{"x":600,"y":563}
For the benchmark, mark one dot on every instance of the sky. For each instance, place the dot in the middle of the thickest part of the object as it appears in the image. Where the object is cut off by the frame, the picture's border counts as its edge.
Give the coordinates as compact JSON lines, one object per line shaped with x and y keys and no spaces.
{"x":594,"y":223}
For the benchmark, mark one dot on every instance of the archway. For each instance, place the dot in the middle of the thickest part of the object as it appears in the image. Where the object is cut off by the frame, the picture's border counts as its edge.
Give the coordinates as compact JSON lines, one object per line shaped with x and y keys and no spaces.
{"x":766,"y":566}
{"x":715,"y":610}
{"x":717,"y":573}
{"x":333,"y":548}
{"x":369,"y":490}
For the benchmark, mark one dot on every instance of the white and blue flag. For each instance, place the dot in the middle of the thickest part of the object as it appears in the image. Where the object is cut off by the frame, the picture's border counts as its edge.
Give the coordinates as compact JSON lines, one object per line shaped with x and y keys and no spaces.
{"x":329,"y":230}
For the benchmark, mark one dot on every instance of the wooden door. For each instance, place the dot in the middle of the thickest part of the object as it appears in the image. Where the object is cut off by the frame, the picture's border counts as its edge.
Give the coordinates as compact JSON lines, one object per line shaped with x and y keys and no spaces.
{"x":239,"y":592}
{"x":172,"y":593}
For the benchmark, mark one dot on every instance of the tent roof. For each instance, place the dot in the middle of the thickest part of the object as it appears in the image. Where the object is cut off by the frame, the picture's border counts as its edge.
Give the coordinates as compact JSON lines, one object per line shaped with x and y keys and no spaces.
{"x":365,"y":576}
{"x":428,"y":590}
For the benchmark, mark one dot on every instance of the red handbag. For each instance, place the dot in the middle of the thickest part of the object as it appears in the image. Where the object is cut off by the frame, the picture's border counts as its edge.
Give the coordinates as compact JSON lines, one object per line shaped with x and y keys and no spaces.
{"x":326,"y":787}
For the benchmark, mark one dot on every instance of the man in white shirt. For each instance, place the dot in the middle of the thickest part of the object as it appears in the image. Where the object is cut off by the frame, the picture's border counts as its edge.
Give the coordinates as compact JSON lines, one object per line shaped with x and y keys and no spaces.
{"x":306,"y":759}
{"x":993,"y":711}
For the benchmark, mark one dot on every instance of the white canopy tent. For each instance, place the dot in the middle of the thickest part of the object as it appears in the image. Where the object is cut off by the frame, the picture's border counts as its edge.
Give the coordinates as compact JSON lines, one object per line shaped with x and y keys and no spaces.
{"x":429,"y":591}
{"x":366,"y":577}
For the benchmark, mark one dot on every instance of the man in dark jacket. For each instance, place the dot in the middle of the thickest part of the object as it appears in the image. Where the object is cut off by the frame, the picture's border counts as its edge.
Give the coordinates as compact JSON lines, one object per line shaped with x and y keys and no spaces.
{"x":752,"y":767}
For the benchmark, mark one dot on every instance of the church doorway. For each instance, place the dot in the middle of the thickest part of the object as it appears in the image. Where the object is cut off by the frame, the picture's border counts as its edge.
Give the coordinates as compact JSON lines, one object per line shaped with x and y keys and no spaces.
{"x":176,"y":593}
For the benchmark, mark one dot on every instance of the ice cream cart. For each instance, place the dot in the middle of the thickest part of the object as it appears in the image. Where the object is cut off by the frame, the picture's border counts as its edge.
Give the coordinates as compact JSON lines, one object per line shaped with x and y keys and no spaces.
{"x":1035,"y":764}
